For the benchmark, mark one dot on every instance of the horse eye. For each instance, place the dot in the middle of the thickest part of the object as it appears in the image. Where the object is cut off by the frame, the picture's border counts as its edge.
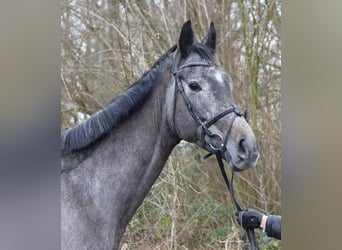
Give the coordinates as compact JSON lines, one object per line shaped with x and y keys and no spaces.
{"x":195,"y":86}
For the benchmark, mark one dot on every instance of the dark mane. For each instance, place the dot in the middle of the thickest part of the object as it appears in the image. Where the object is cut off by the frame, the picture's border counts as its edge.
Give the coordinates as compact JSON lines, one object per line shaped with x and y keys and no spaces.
{"x":114,"y":112}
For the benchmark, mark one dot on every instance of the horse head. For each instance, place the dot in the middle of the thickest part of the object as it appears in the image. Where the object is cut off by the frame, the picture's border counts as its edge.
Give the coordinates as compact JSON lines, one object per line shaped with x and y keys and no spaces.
{"x":202,"y":109}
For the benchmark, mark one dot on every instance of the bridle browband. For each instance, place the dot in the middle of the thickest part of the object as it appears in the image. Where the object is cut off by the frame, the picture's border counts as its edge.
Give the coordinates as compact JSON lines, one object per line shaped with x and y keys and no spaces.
{"x":220,"y":150}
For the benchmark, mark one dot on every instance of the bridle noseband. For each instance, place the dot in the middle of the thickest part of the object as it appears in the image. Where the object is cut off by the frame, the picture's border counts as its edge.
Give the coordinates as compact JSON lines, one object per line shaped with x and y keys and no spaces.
{"x":220,"y":150}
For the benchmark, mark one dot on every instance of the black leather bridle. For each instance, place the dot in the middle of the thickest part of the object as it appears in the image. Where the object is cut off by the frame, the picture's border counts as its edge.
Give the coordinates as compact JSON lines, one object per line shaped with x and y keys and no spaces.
{"x":205,"y":125}
{"x":220,"y":150}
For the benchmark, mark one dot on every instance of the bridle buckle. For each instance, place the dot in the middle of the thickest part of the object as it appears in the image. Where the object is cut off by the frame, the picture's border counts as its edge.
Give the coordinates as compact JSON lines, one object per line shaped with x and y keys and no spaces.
{"x":238,"y":111}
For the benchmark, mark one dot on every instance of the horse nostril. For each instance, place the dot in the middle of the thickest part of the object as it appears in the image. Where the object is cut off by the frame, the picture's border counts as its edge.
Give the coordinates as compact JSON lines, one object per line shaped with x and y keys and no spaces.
{"x":242,"y":150}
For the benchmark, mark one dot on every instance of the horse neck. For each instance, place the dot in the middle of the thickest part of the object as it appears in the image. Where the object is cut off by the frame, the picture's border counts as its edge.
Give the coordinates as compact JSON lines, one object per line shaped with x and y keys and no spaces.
{"x":146,"y":135}
{"x":125,"y":163}
{"x":146,"y":142}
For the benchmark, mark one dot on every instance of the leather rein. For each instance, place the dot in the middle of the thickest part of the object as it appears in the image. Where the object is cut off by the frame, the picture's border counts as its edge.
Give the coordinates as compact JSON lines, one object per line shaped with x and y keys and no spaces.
{"x":220,"y":150}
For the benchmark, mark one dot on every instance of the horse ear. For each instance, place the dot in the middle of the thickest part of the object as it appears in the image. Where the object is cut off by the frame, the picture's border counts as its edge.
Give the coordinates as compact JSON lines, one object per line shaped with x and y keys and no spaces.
{"x":186,"y":38}
{"x":210,"y":38}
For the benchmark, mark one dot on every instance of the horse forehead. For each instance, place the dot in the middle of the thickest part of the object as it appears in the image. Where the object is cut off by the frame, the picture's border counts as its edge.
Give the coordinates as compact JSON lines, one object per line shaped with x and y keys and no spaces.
{"x":212,"y":74}
{"x":207,"y":70}
{"x":218,"y":75}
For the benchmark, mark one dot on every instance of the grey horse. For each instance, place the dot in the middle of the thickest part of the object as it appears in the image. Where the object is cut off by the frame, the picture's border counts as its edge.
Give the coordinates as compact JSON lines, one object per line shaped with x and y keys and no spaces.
{"x":110,"y":161}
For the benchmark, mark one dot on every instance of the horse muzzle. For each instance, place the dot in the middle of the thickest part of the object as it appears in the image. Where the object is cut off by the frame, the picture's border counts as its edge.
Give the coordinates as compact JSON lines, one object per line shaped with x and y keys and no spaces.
{"x":241,"y":153}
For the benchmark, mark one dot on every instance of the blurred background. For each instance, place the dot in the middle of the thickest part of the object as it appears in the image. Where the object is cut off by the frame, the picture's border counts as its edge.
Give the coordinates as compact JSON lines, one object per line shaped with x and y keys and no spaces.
{"x":107,"y":45}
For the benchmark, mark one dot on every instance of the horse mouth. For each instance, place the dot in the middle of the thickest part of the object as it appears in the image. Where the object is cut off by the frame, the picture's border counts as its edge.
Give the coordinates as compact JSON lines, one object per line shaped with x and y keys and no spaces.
{"x":236,"y":169}
{"x":237,"y":164}
{"x":233,"y":167}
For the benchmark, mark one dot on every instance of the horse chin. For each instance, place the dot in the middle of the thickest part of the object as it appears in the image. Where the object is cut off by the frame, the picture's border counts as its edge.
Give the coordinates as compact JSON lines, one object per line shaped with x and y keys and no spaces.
{"x":234,"y":168}
{"x":239,"y":165}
